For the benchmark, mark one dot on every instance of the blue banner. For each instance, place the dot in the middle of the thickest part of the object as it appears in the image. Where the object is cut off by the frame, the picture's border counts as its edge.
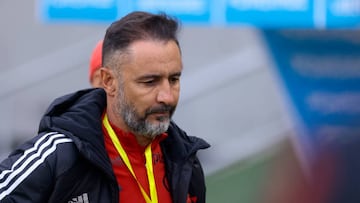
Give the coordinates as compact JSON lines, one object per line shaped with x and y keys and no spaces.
{"x":343,"y":13}
{"x":188,"y":11}
{"x":320,"y":72}
{"x":294,"y":13}
{"x":78,"y":10}
{"x":257,"y":13}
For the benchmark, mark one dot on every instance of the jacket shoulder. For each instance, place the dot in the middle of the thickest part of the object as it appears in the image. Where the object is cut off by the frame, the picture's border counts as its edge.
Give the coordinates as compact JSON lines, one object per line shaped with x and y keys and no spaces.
{"x":36,"y":164}
{"x":46,"y":148}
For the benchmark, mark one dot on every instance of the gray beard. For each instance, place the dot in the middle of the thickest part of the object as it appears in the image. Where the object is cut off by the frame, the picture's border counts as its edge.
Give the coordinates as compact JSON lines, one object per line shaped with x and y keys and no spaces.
{"x":140,"y":125}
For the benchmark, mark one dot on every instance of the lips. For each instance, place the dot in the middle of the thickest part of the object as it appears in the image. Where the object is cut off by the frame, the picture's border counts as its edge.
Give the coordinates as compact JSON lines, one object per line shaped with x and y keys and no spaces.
{"x":161,"y":113}
{"x":164,"y":110}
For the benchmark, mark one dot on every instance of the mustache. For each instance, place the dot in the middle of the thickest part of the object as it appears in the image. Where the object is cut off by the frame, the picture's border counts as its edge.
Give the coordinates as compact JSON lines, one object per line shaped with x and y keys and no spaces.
{"x":160,"y":109}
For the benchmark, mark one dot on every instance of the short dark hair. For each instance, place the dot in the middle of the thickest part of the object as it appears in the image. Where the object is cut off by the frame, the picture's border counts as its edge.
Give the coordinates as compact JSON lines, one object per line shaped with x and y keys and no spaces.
{"x":138,"y":25}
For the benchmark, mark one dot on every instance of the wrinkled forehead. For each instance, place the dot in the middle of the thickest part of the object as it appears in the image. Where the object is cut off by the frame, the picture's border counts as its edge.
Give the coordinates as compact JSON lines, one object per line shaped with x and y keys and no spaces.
{"x":153,"y":56}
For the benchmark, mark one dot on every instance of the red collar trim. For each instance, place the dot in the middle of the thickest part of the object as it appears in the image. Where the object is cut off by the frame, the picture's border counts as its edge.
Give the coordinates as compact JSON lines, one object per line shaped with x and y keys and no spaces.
{"x":129,"y":141}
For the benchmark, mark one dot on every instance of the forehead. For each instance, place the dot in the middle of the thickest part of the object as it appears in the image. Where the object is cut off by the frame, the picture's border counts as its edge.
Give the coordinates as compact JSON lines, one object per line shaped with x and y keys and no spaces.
{"x":152,"y":55}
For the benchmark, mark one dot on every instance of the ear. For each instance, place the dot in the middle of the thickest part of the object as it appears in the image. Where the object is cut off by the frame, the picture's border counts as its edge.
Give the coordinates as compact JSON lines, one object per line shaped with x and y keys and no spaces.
{"x":95,"y":80}
{"x":108,"y":81}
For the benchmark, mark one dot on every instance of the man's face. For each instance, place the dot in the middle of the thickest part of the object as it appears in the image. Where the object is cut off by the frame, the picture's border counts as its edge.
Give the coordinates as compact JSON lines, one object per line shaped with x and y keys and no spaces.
{"x":149,"y":86}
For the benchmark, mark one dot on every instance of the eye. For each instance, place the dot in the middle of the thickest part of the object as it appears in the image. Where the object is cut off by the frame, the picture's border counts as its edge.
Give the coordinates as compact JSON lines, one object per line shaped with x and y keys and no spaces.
{"x":149,"y":81}
{"x":174,"y":80}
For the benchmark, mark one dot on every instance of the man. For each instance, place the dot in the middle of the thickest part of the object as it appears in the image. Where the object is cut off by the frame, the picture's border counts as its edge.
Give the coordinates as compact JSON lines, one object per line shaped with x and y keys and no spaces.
{"x":95,"y":65}
{"x":116,"y":144}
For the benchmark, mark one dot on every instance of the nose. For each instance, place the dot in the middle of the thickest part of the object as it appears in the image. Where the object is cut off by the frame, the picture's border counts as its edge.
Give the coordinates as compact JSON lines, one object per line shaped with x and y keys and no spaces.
{"x":167,"y":94}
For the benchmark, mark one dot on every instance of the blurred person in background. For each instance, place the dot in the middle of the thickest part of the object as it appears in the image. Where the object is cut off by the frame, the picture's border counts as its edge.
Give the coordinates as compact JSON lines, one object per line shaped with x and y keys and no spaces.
{"x":95,"y":65}
{"x":290,"y":180}
{"x":116,"y":143}
{"x":331,"y":177}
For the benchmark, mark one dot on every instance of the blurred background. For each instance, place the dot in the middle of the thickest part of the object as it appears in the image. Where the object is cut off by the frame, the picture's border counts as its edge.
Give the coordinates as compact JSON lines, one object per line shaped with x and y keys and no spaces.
{"x":266,"y":83}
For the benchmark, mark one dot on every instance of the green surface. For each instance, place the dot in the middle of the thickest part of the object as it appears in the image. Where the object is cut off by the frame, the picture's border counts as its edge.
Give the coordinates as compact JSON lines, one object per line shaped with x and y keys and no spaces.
{"x":240,"y":183}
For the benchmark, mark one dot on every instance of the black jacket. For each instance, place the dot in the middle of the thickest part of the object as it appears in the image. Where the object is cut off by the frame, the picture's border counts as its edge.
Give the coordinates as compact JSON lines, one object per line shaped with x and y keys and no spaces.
{"x":67,"y":161}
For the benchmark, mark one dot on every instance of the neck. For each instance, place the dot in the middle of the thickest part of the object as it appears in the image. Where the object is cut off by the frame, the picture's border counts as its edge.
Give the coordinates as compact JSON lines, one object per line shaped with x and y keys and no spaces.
{"x":143,"y":141}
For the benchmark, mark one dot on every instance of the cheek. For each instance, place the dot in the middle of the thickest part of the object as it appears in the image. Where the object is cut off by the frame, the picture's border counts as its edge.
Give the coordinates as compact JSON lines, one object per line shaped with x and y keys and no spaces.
{"x":176,"y":93}
{"x":141,"y":101}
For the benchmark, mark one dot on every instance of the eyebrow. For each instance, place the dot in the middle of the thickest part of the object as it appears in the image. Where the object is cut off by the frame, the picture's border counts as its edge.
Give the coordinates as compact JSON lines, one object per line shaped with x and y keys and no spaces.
{"x":176,"y":74}
{"x":150,"y":76}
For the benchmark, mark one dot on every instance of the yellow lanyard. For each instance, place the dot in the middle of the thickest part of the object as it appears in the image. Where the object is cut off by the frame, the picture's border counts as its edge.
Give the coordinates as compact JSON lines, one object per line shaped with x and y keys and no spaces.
{"x":125,"y":158}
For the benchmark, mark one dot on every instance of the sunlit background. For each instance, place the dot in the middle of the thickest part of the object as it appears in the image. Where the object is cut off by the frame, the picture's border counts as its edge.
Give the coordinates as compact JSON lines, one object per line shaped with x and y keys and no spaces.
{"x":266,"y":83}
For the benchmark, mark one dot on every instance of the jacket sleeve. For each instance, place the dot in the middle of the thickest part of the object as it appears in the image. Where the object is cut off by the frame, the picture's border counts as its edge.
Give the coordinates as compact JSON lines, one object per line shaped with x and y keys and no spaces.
{"x":27,"y":175}
{"x":197,"y":189}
